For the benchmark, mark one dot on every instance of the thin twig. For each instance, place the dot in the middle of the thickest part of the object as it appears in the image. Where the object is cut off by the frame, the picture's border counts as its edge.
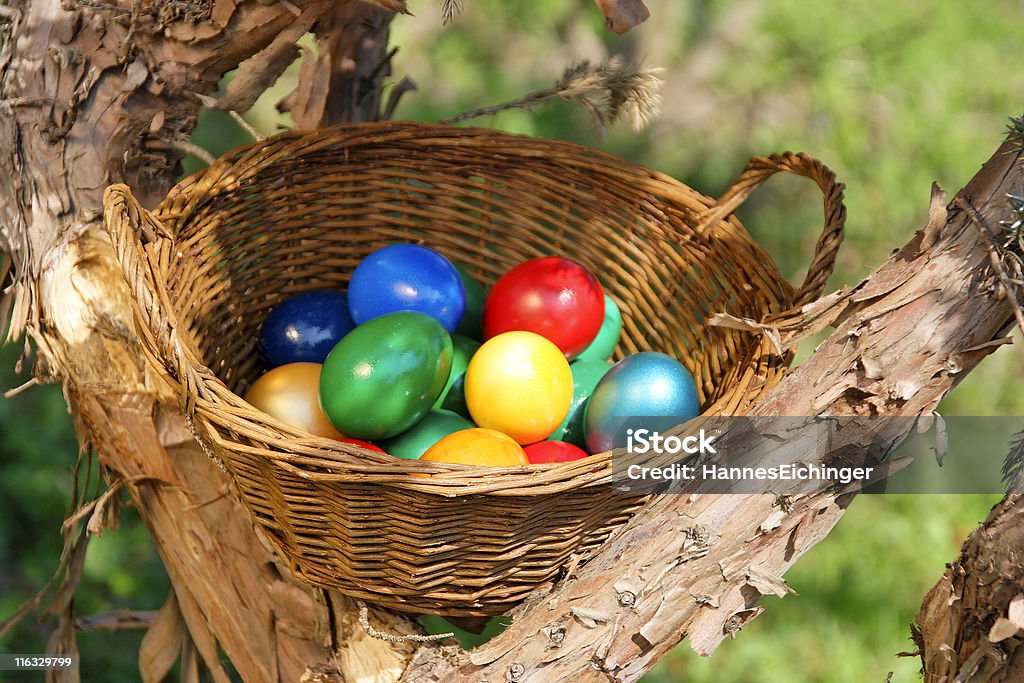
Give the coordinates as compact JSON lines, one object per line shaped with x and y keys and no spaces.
{"x":364,"y":621}
{"x":248,"y":127}
{"x":525,"y":102}
{"x":184,"y":146}
{"x":11,"y":393}
{"x":211,"y":102}
{"x":121,"y":620}
{"x":609,"y":92}
{"x":993,"y":255}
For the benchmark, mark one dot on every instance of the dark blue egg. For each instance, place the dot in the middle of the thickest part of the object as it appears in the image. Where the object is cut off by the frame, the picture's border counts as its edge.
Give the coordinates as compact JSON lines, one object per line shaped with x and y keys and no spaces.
{"x":305,"y":327}
{"x":407,"y":277}
{"x":646,"y":390}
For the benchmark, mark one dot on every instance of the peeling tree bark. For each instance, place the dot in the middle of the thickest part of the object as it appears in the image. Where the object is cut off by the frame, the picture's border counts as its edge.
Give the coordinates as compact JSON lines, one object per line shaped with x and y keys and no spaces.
{"x":971,"y":623}
{"x":697,"y":566}
{"x":85,"y":95}
{"x":83,"y":103}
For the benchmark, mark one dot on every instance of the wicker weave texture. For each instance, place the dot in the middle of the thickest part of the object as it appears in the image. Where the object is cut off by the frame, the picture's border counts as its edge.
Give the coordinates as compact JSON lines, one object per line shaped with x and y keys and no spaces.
{"x":299,"y":211}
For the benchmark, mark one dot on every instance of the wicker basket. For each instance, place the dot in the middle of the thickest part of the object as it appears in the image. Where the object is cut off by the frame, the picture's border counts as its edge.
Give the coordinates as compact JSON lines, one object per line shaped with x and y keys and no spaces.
{"x":298,"y":211}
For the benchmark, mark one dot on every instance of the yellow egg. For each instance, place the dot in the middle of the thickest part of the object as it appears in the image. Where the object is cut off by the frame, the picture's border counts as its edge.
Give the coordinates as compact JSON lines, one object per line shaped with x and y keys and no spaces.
{"x":291,"y":393}
{"x":477,"y":446}
{"x":519,"y":383}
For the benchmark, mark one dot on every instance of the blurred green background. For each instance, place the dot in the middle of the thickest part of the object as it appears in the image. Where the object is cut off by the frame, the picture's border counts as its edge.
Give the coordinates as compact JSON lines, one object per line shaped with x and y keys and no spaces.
{"x":891,"y":95}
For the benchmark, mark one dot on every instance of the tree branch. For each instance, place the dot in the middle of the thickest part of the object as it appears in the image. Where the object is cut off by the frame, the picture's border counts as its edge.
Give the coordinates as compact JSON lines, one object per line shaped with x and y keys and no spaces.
{"x":697,"y":566}
{"x":971,"y":621}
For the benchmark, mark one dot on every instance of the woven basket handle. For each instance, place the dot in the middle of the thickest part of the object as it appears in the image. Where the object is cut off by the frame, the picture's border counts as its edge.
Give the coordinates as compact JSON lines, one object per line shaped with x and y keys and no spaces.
{"x":132,"y":228}
{"x":758,"y":170}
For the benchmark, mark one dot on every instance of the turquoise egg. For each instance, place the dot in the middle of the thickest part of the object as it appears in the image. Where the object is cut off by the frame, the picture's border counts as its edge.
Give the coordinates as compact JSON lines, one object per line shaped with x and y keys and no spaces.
{"x":649,"y":390}
{"x":415,"y":441}
{"x":607,"y":337}
{"x":384,"y":375}
{"x":453,"y":396}
{"x":586,"y":373}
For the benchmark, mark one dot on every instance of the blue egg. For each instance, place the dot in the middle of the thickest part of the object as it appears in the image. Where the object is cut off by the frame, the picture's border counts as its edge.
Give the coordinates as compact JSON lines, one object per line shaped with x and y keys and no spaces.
{"x":646,"y":390}
{"x":305,"y":327}
{"x":407,"y":277}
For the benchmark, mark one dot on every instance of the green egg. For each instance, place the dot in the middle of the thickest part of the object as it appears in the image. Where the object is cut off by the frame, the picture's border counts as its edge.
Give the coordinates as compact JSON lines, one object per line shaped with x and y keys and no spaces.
{"x":607,"y":337}
{"x":472,"y":323}
{"x":414,"y":442}
{"x":453,"y":396}
{"x":586,"y":373}
{"x":384,"y":375}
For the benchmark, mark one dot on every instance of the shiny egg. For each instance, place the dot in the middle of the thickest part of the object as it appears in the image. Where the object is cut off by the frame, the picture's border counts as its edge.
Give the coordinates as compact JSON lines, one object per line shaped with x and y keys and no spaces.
{"x":519,"y":383}
{"x":415,"y":441}
{"x":554,"y":297}
{"x":305,"y":327}
{"x":477,"y":446}
{"x":407,"y":277}
{"x":586,"y":373}
{"x":646,"y":390}
{"x":553,"y":451}
{"x":382,"y":378}
{"x":291,"y":394}
{"x":607,"y":337}
{"x":453,"y":396}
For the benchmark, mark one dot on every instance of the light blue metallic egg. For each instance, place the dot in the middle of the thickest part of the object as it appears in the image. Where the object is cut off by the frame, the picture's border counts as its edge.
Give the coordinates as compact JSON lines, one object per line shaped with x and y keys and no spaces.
{"x":646,"y":390}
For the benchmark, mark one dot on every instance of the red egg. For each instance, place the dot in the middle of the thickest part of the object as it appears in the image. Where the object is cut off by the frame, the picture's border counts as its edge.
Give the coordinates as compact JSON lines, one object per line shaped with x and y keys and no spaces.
{"x":551,"y":296}
{"x":365,"y":444}
{"x":553,"y":451}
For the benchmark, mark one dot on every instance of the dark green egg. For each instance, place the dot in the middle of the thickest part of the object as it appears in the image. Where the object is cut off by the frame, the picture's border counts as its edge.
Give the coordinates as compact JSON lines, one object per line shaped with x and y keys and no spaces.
{"x":453,"y":396}
{"x":384,"y":375}
{"x":472,"y":323}
{"x":586,"y":373}
{"x":414,"y":442}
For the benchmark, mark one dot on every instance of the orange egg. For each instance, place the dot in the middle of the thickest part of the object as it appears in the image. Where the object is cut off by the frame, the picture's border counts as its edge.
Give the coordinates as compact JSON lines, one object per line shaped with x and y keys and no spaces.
{"x":291,"y":393}
{"x":519,"y":383}
{"x":477,"y":446}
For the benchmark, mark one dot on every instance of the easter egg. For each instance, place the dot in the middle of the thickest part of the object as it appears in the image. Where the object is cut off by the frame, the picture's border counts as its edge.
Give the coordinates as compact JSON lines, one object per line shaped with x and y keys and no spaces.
{"x":477,"y":446}
{"x":607,"y":337}
{"x":304,"y":328}
{"x":384,"y":375}
{"x":365,"y":444}
{"x":453,"y":396}
{"x":290,"y":393}
{"x":472,"y":323}
{"x":586,"y":373}
{"x":647,"y":389}
{"x":415,"y":441}
{"x":519,"y":383}
{"x":554,"y":297}
{"x":407,"y":277}
{"x":553,"y":451}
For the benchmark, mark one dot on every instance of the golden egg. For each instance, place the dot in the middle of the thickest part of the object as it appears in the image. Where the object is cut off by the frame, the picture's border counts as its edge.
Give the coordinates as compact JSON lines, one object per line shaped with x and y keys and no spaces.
{"x":291,"y":393}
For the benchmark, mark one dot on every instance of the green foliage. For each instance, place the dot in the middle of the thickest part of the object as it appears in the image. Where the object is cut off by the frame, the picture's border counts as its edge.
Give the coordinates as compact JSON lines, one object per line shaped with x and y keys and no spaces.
{"x":38,"y":453}
{"x":890,"y":95}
